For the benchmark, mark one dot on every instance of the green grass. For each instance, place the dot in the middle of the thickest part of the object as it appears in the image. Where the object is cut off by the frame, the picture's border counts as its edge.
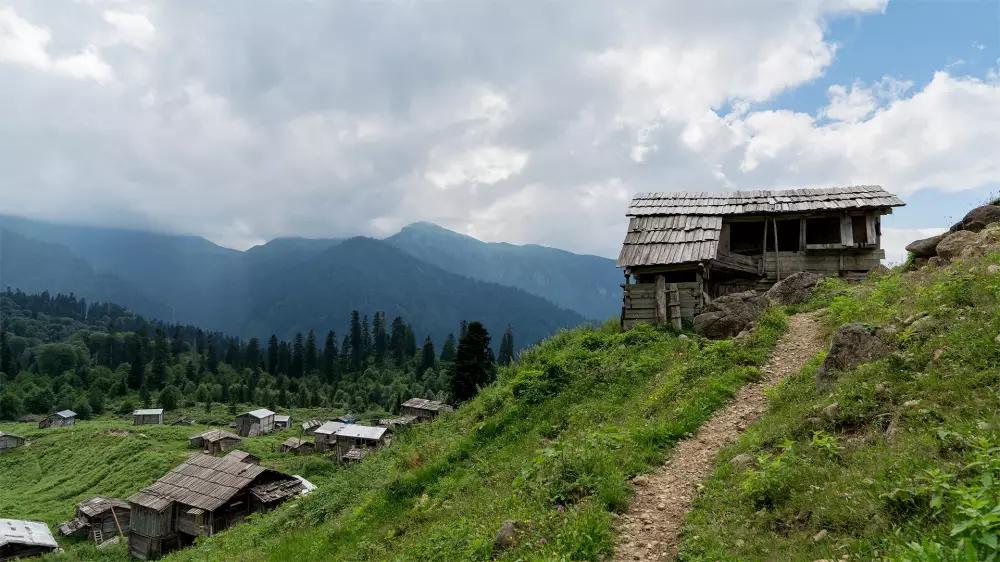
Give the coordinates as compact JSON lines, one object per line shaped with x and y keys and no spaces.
{"x":908,"y":468}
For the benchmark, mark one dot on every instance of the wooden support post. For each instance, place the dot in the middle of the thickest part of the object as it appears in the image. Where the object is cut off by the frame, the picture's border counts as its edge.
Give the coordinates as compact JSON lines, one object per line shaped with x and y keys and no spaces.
{"x":802,"y":235}
{"x":763,"y":252}
{"x":117,"y":524}
{"x":661,"y":300}
{"x":777,"y":264}
{"x":675,"y":307}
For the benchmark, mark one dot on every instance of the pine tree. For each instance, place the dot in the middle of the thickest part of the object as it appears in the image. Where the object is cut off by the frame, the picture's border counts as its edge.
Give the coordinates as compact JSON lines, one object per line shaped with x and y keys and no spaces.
{"x":463,"y":328}
{"x":411,"y":343}
{"x":330,"y":358}
{"x":6,"y":365}
{"x":506,"y":347}
{"x":284,"y":359}
{"x":473,"y":368}
{"x":357,"y":345}
{"x":137,"y":368}
{"x":381,"y":341}
{"x":448,"y":350}
{"x":310,"y":361}
{"x":251,"y":357}
{"x":366,"y":338}
{"x":272,"y":355}
{"x":298,"y":356}
{"x":397,"y":340}
{"x":427,"y":355}
{"x":161,"y":357}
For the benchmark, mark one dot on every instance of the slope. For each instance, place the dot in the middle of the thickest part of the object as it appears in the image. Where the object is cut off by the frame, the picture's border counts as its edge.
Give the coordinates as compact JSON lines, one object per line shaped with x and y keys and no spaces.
{"x":586,"y":284}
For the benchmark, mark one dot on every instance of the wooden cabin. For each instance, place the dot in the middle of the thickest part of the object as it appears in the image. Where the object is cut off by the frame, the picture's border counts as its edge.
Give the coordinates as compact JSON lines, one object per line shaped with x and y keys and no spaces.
{"x":356,"y":436}
{"x":58,"y":419}
{"x":282,"y":421}
{"x":326,"y":435}
{"x":24,"y":539}
{"x":201,"y":497}
{"x":10,"y":441}
{"x":393,"y":424}
{"x":297,"y":446}
{"x":149,"y":416}
{"x":99,"y":519}
{"x":684,"y":249}
{"x":256,"y":422}
{"x":309,"y":427}
{"x":215,"y":441}
{"x":422,"y":408}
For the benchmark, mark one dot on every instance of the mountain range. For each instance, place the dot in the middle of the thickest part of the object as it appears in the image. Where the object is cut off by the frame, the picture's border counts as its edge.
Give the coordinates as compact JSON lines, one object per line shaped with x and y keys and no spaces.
{"x":431,"y":276}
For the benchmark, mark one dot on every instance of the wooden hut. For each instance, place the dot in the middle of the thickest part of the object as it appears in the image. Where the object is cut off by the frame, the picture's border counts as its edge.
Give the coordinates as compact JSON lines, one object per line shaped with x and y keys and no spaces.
{"x":356,"y":436}
{"x":215,"y":441}
{"x":297,"y":446}
{"x":242,"y":456}
{"x":149,"y":416}
{"x":394,"y":423}
{"x":326,"y":435}
{"x":422,"y":408}
{"x":24,"y":539}
{"x":99,"y":519}
{"x":684,"y":249}
{"x":347,"y":418}
{"x":10,"y":441}
{"x":255,"y":422}
{"x":58,"y":419}
{"x":309,"y":427}
{"x":282,"y":421}
{"x":201,"y":497}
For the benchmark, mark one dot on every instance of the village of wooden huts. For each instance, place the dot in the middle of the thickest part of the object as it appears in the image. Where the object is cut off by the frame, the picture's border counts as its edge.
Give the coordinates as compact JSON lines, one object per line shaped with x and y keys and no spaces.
{"x":200,"y":497}
{"x":215,"y":441}
{"x":282,"y":421}
{"x":58,"y":419}
{"x":255,"y":422}
{"x":10,"y":441}
{"x":422,"y":408}
{"x":297,"y":446}
{"x":99,"y":519}
{"x":22,"y":539}
{"x":148,"y":416}
{"x":682,"y":250}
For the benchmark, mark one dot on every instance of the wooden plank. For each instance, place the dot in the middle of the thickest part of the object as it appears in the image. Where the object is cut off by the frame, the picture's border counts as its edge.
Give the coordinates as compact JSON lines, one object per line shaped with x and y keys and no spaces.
{"x":661,"y":296}
{"x":675,"y":306}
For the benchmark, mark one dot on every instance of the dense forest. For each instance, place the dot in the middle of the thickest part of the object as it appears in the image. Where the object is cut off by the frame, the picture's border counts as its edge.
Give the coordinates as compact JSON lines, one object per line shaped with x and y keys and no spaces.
{"x":61,"y":352}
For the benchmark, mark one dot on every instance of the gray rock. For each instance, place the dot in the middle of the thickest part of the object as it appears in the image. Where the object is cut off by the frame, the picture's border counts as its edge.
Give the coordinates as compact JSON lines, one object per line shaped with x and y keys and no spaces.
{"x":742,"y":460}
{"x":925,"y":247}
{"x":729,"y":315}
{"x":794,"y":289}
{"x":977,"y":219}
{"x":878,"y":271}
{"x":831,"y":411}
{"x":507,"y":535}
{"x":952,"y":245}
{"x":923,"y":325}
{"x":853,"y":344}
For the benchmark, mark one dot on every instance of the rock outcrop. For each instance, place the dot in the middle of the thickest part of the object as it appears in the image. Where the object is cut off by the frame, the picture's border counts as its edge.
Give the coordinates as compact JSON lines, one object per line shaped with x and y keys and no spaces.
{"x":978,"y":218}
{"x":925,"y":247}
{"x":729,"y":315}
{"x":853,"y":344}
{"x":951,"y":246}
{"x":794,"y":289}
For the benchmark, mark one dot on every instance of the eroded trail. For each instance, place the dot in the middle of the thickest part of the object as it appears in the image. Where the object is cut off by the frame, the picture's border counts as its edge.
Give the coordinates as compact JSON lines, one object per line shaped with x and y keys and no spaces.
{"x":651,"y":528}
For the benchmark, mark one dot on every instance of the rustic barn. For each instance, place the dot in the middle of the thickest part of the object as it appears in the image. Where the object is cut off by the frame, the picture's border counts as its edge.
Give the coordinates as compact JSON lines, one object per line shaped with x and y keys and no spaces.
{"x":215,"y":441}
{"x":201,"y":497}
{"x":326,"y":435}
{"x":297,"y":446}
{"x":282,"y":421}
{"x":355,"y":436}
{"x":99,"y":519}
{"x":149,"y":416}
{"x":309,"y":427}
{"x":684,"y":249}
{"x":23,"y":539}
{"x":256,"y":422}
{"x":422,"y":408}
{"x":10,"y":441}
{"x":58,"y":419}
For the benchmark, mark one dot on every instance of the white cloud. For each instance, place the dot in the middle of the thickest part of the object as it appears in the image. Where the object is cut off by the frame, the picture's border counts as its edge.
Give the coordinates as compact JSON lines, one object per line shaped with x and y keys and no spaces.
{"x":24,"y":43}
{"x":895,"y":240}
{"x":859,"y":101}
{"x":481,"y":165}
{"x":130,"y":28}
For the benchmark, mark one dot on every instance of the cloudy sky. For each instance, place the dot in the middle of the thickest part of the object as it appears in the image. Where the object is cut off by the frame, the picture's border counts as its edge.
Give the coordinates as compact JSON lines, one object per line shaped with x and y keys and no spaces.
{"x":521,"y":121}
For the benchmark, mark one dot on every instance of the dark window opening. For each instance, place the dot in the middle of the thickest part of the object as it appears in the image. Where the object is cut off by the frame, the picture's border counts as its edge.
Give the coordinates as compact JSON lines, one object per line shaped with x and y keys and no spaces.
{"x":824,"y":230}
{"x":746,"y":238}
{"x":859,"y":227}
{"x":669,"y":276}
{"x":788,"y":236}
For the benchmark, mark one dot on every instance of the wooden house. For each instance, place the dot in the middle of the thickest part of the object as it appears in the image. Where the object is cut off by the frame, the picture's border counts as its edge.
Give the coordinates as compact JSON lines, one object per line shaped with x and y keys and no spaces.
{"x":309,"y":427}
{"x":99,"y":519}
{"x":682,"y":250}
{"x":215,"y":441}
{"x":58,"y":419}
{"x":355,"y":455}
{"x":282,"y":421}
{"x":10,"y":441}
{"x":356,"y":436}
{"x":149,"y":416}
{"x":201,"y":497}
{"x":256,"y":422}
{"x":297,"y":446}
{"x":242,"y":456}
{"x":24,"y":539}
{"x":422,"y":408}
{"x":394,"y":423}
{"x":326,"y":435}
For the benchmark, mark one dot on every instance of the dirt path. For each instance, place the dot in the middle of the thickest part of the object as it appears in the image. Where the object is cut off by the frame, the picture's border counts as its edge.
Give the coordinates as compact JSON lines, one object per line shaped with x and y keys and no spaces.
{"x":651,"y":528}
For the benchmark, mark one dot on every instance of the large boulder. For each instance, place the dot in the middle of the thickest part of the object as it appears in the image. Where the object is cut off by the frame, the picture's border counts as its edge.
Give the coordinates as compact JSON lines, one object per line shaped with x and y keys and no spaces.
{"x":729,"y":315}
{"x":925,"y":247}
{"x":977,"y":219}
{"x":853,"y":344}
{"x":951,"y":246}
{"x":794,"y":289}
{"x":508,"y":535}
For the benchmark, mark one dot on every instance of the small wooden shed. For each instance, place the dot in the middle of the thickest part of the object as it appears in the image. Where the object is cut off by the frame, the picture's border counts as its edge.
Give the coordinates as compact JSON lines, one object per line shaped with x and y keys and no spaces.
{"x":309,"y":427}
{"x":282,"y":421}
{"x":422,"y":408}
{"x":255,"y":422}
{"x":682,"y":250}
{"x":215,"y":441}
{"x":148,"y":416}
{"x":394,"y":423}
{"x":24,"y":539}
{"x":297,"y":446}
{"x":326,"y":435}
{"x":356,"y":436}
{"x":10,"y":441}
{"x":58,"y":419}
{"x":99,"y":519}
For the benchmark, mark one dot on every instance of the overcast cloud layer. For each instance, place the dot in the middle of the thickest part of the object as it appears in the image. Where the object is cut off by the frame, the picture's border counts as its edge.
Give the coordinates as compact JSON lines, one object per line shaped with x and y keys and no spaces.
{"x":517,"y":121}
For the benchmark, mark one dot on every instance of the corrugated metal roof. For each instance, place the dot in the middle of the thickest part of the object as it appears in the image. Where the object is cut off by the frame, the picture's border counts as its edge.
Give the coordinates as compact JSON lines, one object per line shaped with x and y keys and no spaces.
{"x":28,"y":533}
{"x":762,"y":201}
{"x":282,"y":418}
{"x":66,"y":414}
{"x":148,"y":412}
{"x":330,"y":428}
{"x":214,"y":435}
{"x":259,"y":413}
{"x":202,"y":481}
{"x":362,"y":432}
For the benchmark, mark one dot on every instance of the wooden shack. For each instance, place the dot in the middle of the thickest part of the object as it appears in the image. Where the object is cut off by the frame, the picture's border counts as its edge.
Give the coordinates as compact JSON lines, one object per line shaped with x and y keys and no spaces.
{"x":422,"y":408}
{"x":393,"y":424}
{"x":282,"y":421}
{"x":347,"y":418}
{"x":24,"y":539}
{"x":10,"y":441}
{"x":255,"y":422}
{"x":201,"y":497}
{"x":58,"y":419}
{"x":684,"y":249}
{"x":356,"y":436}
{"x":99,"y":519}
{"x":309,"y":427}
{"x":297,"y":446}
{"x":215,"y":441}
{"x":149,"y":416}
{"x":326,"y":435}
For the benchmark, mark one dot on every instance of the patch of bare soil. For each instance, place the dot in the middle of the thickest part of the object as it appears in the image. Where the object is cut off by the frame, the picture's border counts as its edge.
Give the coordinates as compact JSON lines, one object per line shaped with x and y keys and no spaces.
{"x":650,"y":531}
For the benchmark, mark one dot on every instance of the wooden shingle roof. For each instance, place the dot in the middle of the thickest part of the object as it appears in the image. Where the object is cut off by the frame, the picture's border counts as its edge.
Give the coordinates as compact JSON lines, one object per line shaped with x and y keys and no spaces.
{"x":213,"y":435}
{"x":98,"y":505}
{"x":425,"y":404}
{"x":762,"y":201}
{"x":202,"y":481}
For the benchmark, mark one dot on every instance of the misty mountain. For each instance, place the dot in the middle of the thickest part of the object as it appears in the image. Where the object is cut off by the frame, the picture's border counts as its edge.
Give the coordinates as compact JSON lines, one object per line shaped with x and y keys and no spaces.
{"x":588,"y":285}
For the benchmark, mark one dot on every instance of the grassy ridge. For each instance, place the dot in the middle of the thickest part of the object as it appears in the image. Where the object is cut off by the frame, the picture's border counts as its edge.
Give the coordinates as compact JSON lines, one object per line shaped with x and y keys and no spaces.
{"x":906,"y":467}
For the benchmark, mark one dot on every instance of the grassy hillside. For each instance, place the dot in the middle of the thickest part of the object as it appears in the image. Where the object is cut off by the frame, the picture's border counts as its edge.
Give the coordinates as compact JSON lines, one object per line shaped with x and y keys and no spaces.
{"x":905,"y":467}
